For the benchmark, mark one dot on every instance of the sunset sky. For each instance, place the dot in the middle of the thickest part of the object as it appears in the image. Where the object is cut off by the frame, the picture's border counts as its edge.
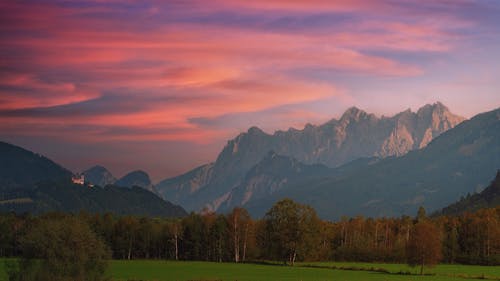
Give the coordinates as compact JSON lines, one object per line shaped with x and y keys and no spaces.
{"x":162,"y":85}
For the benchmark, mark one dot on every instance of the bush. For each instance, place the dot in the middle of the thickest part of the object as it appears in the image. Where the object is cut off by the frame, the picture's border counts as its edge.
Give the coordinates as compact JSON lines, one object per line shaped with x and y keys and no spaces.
{"x":60,"y":248}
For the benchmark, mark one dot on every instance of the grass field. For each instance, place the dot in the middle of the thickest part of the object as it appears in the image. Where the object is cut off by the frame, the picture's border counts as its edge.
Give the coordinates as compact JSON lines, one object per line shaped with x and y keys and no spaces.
{"x":169,"y":270}
{"x":454,"y":270}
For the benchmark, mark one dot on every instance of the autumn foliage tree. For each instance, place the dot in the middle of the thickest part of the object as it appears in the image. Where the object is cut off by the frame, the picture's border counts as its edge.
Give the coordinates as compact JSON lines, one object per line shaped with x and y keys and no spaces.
{"x":424,"y":246}
{"x":289,"y":232}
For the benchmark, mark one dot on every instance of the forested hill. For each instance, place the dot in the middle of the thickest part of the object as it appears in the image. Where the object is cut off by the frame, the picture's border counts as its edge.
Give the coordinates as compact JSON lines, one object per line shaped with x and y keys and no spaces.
{"x":488,"y":198}
{"x":73,"y":198}
{"x":31,"y":183}
{"x":21,"y":167}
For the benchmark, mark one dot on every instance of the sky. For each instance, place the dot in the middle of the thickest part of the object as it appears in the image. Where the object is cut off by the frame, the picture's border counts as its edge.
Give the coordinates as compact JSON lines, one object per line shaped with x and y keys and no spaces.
{"x":162,"y":85}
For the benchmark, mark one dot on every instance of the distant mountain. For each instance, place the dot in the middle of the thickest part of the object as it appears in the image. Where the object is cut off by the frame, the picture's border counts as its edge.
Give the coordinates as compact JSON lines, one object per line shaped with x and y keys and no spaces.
{"x":20,"y":167}
{"x":68,"y":197}
{"x":137,"y":178}
{"x":488,"y":198}
{"x":356,"y":134}
{"x":98,"y":175}
{"x":32,"y":183}
{"x":457,"y":162}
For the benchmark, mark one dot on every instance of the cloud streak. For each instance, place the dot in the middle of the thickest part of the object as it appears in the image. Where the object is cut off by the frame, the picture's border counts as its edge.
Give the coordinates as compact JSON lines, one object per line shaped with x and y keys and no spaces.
{"x":94,"y":71}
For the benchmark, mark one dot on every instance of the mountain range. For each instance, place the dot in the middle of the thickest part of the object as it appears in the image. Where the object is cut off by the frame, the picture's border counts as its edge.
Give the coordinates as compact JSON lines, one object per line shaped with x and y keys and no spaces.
{"x":461,"y":160}
{"x":359,"y":164}
{"x":355,"y":135}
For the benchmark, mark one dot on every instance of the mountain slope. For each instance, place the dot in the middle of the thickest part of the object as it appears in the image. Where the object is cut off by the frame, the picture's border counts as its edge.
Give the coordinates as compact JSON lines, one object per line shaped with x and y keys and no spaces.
{"x":20,"y":167}
{"x":269,"y":176}
{"x":98,"y":175}
{"x":355,"y":135}
{"x":488,"y":198}
{"x":454,"y":164}
{"x":277,"y":177}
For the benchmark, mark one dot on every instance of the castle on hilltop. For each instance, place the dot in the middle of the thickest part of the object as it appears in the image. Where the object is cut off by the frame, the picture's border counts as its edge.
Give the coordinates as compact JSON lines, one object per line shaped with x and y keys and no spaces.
{"x":78,"y":179}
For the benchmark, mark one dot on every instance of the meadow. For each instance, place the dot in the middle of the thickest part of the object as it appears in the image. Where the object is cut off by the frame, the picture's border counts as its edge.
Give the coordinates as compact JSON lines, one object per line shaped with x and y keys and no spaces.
{"x":170,"y":270}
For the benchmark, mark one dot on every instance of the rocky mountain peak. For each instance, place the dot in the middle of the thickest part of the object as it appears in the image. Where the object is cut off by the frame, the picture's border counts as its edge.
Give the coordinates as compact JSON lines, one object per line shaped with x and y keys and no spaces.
{"x":99,"y":175}
{"x":353,"y":113}
{"x":140,"y":177}
{"x":355,"y":135}
{"x":255,"y":131}
{"x":309,"y":126}
{"x":437,"y":108}
{"x":137,"y":178}
{"x":439,"y":119}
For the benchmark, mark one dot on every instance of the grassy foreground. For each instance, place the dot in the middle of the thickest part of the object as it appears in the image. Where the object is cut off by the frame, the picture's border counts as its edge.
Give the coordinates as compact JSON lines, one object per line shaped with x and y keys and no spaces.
{"x":170,"y":270}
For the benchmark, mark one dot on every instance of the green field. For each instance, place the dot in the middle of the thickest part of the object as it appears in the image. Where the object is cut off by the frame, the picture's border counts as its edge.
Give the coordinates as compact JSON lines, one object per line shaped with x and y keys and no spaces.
{"x":169,"y":270}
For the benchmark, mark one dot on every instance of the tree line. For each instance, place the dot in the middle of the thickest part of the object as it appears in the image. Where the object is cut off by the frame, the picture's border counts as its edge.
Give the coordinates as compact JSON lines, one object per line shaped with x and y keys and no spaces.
{"x":289,"y":232}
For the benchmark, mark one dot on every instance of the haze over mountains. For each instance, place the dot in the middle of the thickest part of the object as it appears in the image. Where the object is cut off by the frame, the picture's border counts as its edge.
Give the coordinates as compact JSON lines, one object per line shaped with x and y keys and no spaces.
{"x":358,"y":164}
{"x":355,"y":135}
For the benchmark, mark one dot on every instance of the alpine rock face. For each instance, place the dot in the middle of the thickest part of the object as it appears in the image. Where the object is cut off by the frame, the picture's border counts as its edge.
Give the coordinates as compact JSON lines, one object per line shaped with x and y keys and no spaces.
{"x":460,"y":161}
{"x":357,"y":134}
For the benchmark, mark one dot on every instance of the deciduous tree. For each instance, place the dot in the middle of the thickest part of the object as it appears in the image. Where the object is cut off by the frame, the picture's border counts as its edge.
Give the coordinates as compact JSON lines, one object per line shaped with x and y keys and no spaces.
{"x":292,"y":229}
{"x":424,"y":247}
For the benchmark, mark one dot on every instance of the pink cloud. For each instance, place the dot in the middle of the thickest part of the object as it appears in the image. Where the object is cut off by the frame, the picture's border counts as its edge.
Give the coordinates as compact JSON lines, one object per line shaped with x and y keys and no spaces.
{"x":304,"y":6}
{"x":209,"y":70}
{"x":27,"y":91}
